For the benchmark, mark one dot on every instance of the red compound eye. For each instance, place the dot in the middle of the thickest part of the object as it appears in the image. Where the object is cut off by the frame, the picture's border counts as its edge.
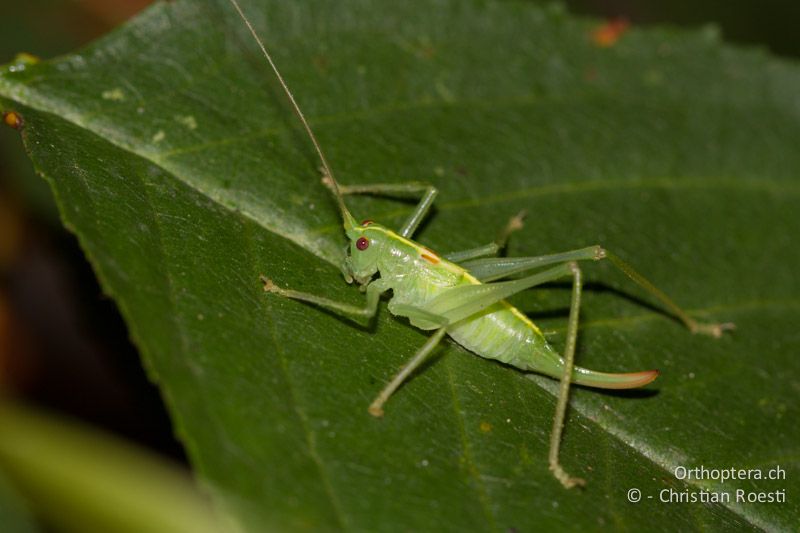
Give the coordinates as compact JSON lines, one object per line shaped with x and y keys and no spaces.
{"x":362,"y":243}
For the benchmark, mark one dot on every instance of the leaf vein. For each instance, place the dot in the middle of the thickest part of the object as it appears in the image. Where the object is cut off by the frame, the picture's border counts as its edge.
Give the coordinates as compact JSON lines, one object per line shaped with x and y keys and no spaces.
{"x":471,"y":468}
{"x":302,"y":416}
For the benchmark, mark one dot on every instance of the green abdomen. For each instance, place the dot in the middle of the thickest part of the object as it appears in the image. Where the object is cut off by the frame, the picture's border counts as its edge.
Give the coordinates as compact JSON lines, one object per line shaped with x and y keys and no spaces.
{"x":417,"y":276}
{"x":499,"y":332}
{"x":503,"y":333}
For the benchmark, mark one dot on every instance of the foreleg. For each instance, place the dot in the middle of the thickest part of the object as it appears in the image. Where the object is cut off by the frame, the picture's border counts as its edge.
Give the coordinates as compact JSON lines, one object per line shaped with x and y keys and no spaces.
{"x":365,"y":313}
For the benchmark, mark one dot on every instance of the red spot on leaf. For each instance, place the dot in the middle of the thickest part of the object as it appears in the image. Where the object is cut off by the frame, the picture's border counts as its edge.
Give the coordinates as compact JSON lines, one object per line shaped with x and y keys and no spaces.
{"x":13,"y":119}
{"x":609,"y":33}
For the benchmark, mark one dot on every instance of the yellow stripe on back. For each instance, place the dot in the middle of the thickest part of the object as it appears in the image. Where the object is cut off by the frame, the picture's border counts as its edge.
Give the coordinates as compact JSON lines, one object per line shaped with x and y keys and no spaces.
{"x":431,"y":257}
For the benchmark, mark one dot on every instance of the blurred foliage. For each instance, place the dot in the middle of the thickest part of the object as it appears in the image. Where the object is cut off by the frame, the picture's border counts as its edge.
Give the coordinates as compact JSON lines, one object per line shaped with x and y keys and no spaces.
{"x":83,"y":480}
{"x":15,"y":516}
{"x":767,"y":22}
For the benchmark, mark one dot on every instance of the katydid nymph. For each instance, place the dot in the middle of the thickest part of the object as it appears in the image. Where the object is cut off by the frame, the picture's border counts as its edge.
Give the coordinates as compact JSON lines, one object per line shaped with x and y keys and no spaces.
{"x":461,"y":295}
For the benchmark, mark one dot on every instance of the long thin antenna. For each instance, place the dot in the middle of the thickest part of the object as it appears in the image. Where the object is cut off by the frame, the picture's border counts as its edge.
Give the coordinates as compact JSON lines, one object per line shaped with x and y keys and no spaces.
{"x":328,"y":179}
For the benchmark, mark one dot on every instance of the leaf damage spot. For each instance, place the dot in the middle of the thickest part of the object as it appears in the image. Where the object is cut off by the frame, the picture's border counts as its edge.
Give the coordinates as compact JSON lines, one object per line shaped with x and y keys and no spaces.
{"x":485,"y":427}
{"x":653,"y":77}
{"x":444,"y":92}
{"x":321,"y":63}
{"x":422,"y":47}
{"x":22,"y":61}
{"x":115,"y":95}
{"x":187,"y":120}
{"x":609,"y":33}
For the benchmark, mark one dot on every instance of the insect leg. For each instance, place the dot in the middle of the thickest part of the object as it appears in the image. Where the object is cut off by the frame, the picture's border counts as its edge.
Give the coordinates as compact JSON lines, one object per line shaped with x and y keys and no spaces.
{"x":426,"y":191}
{"x":374,"y":291}
{"x":715,"y":330}
{"x":563,"y":393}
{"x":376,"y":407}
{"x":493,"y":248}
{"x":419,"y":317}
{"x":493,"y":268}
{"x":463,"y":301}
{"x":481,"y":251}
{"x":490,"y":269}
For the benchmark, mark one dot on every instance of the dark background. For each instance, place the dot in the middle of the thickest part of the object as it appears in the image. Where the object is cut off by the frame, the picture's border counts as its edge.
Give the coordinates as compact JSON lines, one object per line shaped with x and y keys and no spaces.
{"x":63,"y":344}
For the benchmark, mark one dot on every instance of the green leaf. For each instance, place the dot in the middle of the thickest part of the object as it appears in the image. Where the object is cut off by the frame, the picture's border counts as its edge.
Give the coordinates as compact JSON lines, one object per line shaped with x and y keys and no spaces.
{"x":14,"y":514}
{"x":177,"y":162}
{"x":83,"y":480}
